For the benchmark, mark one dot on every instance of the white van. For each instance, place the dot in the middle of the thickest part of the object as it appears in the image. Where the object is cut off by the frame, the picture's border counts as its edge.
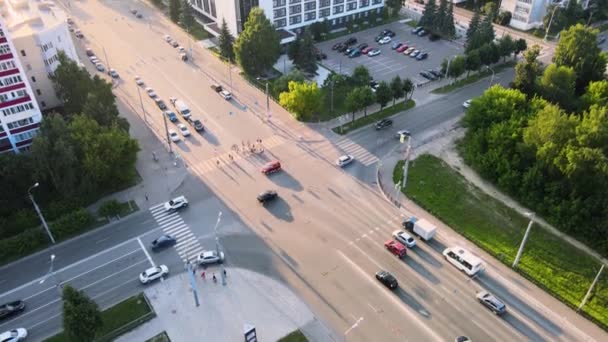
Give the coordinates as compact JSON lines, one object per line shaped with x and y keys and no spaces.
{"x":463,"y":260}
{"x":182,"y":108}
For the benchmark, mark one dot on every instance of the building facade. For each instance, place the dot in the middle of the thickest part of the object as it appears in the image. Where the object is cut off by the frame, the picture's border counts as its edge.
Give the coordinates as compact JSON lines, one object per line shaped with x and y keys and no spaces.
{"x":20,"y":115}
{"x":39,"y":30}
{"x":286,"y":15}
{"x":529,"y":14}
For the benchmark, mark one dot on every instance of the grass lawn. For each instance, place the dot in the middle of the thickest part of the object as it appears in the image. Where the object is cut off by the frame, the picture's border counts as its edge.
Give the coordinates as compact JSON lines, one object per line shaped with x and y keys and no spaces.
{"x":364,"y":121}
{"x":119,"y":319}
{"x":472,"y":78}
{"x":295,"y":336}
{"x":553,"y":264}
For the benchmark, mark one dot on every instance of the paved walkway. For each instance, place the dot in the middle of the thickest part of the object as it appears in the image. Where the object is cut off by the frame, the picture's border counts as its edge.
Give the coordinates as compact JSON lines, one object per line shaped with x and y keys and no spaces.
{"x":247,"y":298}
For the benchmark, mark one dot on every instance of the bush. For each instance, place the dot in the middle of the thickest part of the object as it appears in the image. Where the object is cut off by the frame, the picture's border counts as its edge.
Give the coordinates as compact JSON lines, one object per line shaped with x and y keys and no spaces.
{"x":72,"y":223}
{"x":22,"y":244}
{"x":110,"y":208}
{"x":55,"y":210}
{"x":18,"y":222}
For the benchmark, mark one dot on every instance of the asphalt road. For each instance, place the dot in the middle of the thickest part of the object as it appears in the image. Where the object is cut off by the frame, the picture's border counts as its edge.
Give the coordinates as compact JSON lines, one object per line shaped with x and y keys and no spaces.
{"x":328,"y":226}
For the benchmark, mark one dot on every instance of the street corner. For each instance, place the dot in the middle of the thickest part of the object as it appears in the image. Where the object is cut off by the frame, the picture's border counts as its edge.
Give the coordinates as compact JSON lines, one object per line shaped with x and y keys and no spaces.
{"x":224,"y":307}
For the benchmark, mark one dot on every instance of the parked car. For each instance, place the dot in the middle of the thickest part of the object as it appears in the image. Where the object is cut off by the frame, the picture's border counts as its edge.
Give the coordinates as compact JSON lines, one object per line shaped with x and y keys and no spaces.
{"x":387,"y":279}
{"x":422,"y":33}
{"x":99,"y":67}
{"x":404,"y":238}
{"x":134,"y":11}
{"x":174,"y":43}
{"x":384,"y":123}
{"x":173,"y":136}
{"x":160,"y":103}
{"x":403,"y":47}
{"x":374,"y":52}
{"x":388,"y":33}
{"x":89,"y":52}
{"x":139,"y":81}
{"x":491,"y":302}
{"x":267,"y":196}
{"x":385,"y":40}
{"x":355,"y":53}
{"x":435,"y":72}
{"x":374,"y":85}
{"x":139,"y":16}
{"x":342,"y":48}
{"x":467,"y":103}
{"x":337,"y":46}
{"x":78,"y":34}
{"x":151,"y":92}
{"x":176,"y":203}
{"x":216,"y":87}
{"x":183,"y":130}
{"x":396,"y":45}
{"x":153,"y":273}
{"x":162,"y":242}
{"x":422,"y":56}
{"x":271,"y":167}
{"x":171,"y":115}
{"x":351,"y":41}
{"x":226,"y":95}
{"x":196,"y":123}
{"x":379,"y":37}
{"x":362,"y":46}
{"x":417,"y":29}
{"x":345,"y":160}
{"x":367,"y":50}
{"x":11,"y":309}
{"x":426,"y":75}
{"x":94,"y":59}
{"x":168,"y":38}
{"x":414,"y":53}
{"x":13,"y":335}
{"x":210,"y":257}
{"x":113,"y":73}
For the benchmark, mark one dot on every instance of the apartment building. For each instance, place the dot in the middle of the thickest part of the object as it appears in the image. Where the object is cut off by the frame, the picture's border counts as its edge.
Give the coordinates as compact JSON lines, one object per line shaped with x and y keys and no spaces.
{"x":19,"y":113}
{"x":288,"y":16}
{"x":529,"y":14}
{"x":39,"y":30}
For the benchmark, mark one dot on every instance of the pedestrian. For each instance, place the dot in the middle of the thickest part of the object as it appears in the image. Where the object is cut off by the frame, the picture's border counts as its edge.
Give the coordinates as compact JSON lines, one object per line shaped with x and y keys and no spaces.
{"x":217,"y":162}
{"x":193,"y":272}
{"x":225,"y":275}
{"x":146,"y":196}
{"x":203,"y":274}
{"x":214,"y":278}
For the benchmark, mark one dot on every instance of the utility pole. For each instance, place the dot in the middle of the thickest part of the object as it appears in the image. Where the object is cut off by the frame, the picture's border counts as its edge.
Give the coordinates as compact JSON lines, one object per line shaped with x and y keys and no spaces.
{"x":217,"y":246}
{"x":107,"y":60}
{"x":332,"y":97}
{"x":167,"y":133}
{"x":590,"y":289}
{"x":190,"y":269}
{"x":46,"y":227}
{"x":523,"y":241}
{"x":230,"y":75}
{"x":550,"y":22}
{"x":142,"y":105}
{"x":51,"y":273}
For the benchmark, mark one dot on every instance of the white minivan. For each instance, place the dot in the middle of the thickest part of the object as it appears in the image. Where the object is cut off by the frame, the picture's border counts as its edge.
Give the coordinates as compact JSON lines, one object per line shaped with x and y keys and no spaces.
{"x":463,"y":260}
{"x":182,"y":108}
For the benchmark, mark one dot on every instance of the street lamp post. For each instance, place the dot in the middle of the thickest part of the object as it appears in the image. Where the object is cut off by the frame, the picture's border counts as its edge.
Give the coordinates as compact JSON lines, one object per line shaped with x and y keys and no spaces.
{"x":46,"y":227}
{"x":550,"y":22}
{"x":51,"y":273}
{"x":217,"y":246}
{"x":523,"y":241}
{"x":406,"y":161}
{"x":492,"y":78}
{"x":143,"y":110}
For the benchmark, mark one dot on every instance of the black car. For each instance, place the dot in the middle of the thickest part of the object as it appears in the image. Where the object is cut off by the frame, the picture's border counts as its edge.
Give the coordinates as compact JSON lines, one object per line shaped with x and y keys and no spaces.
{"x":362,"y":46}
{"x":337,"y":46}
{"x":160,"y":103}
{"x":422,"y":55}
{"x":428,"y":75}
{"x":436,"y":73}
{"x":10,"y":309}
{"x":351,"y":41}
{"x":387,"y":279}
{"x":378,"y":37}
{"x":388,"y":33}
{"x":267,"y":196}
{"x":196,"y":123}
{"x":491,"y":302}
{"x":349,"y":50}
{"x":162,"y":242}
{"x":342,"y":48}
{"x":384,"y":123}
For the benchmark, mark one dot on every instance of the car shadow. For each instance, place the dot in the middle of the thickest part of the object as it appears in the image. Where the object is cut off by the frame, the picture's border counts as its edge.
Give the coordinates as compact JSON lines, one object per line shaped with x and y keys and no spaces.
{"x":182,"y":146}
{"x":418,"y":267}
{"x":412,"y":302}
{"x":435,"y":245}
{"x":210,"y":137}
{"x":424,"y":255}
{"x":285,"y":180}
{"x":193,"y":140}
{"x":512,"y":300}
{"x":280,"y":209}
{"x":522,"y":327}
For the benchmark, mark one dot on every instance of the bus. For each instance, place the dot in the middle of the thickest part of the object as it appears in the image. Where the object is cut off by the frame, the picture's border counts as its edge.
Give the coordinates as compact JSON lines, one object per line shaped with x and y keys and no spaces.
{"x":463,"y":260}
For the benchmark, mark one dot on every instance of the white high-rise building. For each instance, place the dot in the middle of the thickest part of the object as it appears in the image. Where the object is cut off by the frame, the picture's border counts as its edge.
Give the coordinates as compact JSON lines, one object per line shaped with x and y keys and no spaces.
{"x":287,"y":15}
{"x":529,"y":14}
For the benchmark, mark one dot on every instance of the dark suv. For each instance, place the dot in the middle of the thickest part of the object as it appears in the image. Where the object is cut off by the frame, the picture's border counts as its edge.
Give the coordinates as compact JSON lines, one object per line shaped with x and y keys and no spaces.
{"x":162,"y":242}
{"x":267,"y":196}
{"x":196,"y":123}
{"x":387,"y":279}
{"x":384,"y":123}
{"x":491,"y":302}
{"x":351,"y":41}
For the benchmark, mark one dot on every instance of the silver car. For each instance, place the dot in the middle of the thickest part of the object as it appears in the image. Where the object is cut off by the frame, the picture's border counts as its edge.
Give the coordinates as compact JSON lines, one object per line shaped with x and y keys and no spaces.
{"x":404,"y":238}
{"x":210,"y":257}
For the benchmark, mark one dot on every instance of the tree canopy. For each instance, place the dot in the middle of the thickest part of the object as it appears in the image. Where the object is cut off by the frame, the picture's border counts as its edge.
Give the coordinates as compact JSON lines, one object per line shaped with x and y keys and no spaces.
{"x":258,"y":46}
{"x":226,"y":42}
{"x":81,"y":315}
{"x":303,"y":99}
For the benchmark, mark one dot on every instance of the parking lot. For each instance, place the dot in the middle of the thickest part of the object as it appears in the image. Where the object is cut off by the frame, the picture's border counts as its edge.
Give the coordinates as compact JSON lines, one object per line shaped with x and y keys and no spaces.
{"x":390,"y":63}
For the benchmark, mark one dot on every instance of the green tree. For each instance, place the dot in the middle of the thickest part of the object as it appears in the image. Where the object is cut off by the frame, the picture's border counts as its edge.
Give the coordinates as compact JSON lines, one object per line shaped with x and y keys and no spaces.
{"x":293,"y":50}
{"x":397,"y":90}
{"x":455,"y":68}
{"x":306,"y":59}
{"x":490,"y":9}
{"x":319,"y":28}
{"x":258,"y":46}
{"x":449,"y":28}
{"x":354,"y":101}
{"x":367,"y":98}
{"x":174,"y":10}
{"x":577,"y":48}
{"x":440,"y":19}
{"x":394,"y":6}
{"x":281,"y":84}
{"x":506,"y":46}
{"x":520,"y":46}
{"x":186,"y":16}
{"x":71,"y":83}
{"x":472,"y":61}
{"x":596,"y":94}
{"x":473,"y":29}
{"x":486,"y":31}
{"x":226,"y":42}
{"x":527,"y":71}
{"x":302,"y":99}
{"x":503,"y":18}
{"x":557,"y":86}
{"x":361,"y":76}
{"x":428,"y":15}
{"x":101,"y":103}
{"x":408,"y":88}
{"x":54,"y":155}
{"x":489,"y":54}
{"x":81,"y":315}
{"x":383,"y":94}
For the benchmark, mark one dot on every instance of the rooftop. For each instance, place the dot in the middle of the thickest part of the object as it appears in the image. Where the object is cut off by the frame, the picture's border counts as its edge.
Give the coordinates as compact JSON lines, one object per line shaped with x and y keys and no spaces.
{"x":25,"y":17}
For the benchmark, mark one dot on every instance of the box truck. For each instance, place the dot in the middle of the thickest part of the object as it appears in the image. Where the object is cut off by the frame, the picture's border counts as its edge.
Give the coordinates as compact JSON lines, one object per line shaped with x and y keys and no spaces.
{"x":421,"y":227}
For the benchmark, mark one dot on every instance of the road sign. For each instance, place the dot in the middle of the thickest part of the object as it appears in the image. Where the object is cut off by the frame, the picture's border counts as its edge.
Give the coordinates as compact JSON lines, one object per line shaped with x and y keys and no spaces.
{"x":250,"y":334}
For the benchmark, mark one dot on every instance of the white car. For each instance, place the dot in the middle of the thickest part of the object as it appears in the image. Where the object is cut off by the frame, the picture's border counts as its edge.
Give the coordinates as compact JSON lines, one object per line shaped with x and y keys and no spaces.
{"x":151,"y":92}
{"x":467,"y":103}
{"x":153,"y":273}
{"x":139,"y":81}
{"x":210,"y":257}
{"x":404,"y":238}
{"x":174,"y":136}
{"x":183,"y":130}
{"x":385,"y":40}
{"x":402,"y":132}
{"x":13,"y":335}
{"x":176,"y":203}
{"x":375,"y":52}
{"x":94,"y":59}
{"x":226,"y":94}
{"x":181,"y":49}
{"x":345,"y":160}
{"x":78,"y":34}
{"x":167,"y":38}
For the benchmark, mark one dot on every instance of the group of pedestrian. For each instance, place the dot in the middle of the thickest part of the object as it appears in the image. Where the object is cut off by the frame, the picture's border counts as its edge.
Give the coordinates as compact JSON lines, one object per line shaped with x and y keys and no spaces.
{"x":203,"y":274}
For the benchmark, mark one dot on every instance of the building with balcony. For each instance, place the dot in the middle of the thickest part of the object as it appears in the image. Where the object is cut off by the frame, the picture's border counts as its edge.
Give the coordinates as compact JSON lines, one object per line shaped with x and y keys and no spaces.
{"x":20,"y":115}
{"x":288,"y":16}
{"x":39,"y":30}
{"x":529,"y":14}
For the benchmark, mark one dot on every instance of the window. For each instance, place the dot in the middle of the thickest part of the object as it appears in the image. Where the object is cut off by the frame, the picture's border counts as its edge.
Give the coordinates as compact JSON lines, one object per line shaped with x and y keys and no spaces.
{"x":43,"y":104}
{"x":525,"y":1}
{"x":33,"y":79}
{"x":296,"y":19}
{"x":25,"y":136}
{"x":295,"y":9}
{"x":310,"y":16}
{"x":278,"y":3}
{"x":281,"y":12}
{"x":20,"y":123}
{"x":338,"y":9}
{"x":309,"y":6}
{"x":376,"y":2}
{"x":294,"y":1}
{"x":7,"y":65}
{"x":324,"y":13}
{"x":280,"y":23}
{"x":324,"y":3}
{"x":338,"y":2}
{"x":4,"y":48}
{"x":351,"y":6}
{"x":363,"y":3}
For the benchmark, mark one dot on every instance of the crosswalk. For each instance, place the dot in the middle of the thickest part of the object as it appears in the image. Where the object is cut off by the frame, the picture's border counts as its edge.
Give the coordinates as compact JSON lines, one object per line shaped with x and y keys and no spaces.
{"x":210,"y":164}
{"x":362,"y":155}
{"x":187,"y":246}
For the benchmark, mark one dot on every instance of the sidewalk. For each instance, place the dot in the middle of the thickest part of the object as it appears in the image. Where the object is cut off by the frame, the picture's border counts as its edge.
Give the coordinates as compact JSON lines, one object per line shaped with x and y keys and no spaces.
{"x":247,"y":298}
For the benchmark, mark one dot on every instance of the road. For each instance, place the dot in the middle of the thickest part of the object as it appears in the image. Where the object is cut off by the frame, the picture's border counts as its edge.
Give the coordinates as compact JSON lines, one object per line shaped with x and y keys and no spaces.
{"x":327,"y":228}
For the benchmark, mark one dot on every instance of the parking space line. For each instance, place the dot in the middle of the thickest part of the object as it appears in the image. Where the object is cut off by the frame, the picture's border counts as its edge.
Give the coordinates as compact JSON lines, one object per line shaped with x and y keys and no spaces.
{"x":145,"y":251}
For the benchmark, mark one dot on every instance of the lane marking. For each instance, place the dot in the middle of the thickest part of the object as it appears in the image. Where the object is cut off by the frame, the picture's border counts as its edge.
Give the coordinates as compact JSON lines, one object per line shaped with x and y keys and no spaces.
{"x":112,"y":275}
{"x":145,"y":251}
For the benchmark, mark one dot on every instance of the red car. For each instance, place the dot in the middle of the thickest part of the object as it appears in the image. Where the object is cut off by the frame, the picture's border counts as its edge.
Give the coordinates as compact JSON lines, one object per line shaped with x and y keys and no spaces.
{"x":366,"y":50}
{"x":271,"y":167}
{"x":396,"y":248}
{"x":402,"y":48}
